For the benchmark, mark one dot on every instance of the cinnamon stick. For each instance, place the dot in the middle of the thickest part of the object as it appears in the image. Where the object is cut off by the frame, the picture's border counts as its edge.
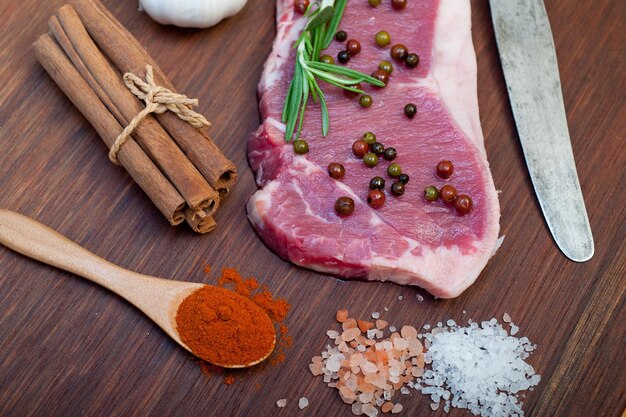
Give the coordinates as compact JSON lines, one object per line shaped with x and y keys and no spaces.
{"x":200,"y":222}
{"x":129,"y":56}
{"x":140,"y":167}
{"x":149,"y":134}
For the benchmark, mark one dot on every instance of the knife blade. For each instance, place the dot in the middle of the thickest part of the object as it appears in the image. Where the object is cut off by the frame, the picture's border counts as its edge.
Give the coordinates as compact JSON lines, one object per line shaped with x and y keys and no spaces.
{"x":531,"y":72}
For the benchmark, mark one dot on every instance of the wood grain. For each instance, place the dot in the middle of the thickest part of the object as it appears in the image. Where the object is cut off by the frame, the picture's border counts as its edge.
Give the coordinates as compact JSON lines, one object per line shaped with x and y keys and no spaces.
{"x":68,"y":348}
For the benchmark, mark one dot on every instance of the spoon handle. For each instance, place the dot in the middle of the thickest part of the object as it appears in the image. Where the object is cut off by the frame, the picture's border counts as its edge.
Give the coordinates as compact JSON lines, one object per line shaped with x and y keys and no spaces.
{"x":33,"y":239}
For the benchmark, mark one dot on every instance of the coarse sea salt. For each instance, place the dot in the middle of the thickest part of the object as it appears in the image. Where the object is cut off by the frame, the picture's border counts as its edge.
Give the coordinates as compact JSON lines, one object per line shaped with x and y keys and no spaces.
{"x":478,"y":367}
{"x":303,"y":403}
{"x":281,"y":403}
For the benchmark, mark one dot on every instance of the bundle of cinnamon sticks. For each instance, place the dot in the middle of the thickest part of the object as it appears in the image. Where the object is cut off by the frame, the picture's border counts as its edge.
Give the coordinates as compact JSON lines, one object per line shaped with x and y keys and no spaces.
{"x":179,"y":167}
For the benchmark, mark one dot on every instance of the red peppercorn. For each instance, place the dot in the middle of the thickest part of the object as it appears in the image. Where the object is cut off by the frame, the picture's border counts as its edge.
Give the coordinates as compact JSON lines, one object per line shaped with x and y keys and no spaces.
{"x":360,"y":148}
{"x":399,"y":52}
{"x":398,"y":4}
{"x":300,"y":6}
{"x":336,"y":171}
{"x":445,"y":169}
{"x":381,"y":75}
{"x":352,"y":94}
{"x":447,"y":194}
{"x":353,"y":47}
{"x":344,"y":206}
{"x":463,"y":204}
{"x":376,"y":199}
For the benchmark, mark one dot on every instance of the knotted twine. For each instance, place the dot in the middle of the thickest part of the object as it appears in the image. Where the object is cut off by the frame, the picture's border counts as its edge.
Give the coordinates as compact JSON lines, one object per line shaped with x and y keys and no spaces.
{"x":158,"y":100}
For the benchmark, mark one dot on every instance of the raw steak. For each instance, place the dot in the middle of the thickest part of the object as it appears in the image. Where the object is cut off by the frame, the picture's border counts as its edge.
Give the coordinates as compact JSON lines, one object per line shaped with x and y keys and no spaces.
{"x":408,"y":240}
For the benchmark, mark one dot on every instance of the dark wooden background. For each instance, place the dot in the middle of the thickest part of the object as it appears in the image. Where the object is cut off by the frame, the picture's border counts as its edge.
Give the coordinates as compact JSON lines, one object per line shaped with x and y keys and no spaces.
{"x":70,"y":348}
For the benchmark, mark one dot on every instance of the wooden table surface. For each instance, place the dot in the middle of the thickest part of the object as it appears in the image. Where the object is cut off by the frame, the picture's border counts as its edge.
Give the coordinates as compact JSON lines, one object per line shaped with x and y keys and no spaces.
{"x":70,"y":348}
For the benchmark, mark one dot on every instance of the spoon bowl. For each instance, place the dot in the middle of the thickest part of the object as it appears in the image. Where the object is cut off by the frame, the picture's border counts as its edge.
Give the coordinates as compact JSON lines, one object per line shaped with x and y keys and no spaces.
{"x":158,"y":298}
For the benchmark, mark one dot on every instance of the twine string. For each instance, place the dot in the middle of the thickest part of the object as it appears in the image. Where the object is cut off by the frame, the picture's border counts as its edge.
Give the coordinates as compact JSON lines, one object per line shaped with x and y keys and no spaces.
{"x":158,"y":100}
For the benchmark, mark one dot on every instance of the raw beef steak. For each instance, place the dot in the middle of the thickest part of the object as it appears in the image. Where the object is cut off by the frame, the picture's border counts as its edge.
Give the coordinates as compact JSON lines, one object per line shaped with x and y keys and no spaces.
{"x":408,"y":240}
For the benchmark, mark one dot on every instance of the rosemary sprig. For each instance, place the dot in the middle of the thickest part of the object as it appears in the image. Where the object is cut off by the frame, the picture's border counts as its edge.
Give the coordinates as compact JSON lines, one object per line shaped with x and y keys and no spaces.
{"x":323,"y":20}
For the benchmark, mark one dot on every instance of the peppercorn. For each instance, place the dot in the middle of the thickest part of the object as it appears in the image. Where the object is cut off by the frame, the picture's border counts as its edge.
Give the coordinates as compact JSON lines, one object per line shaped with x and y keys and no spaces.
{"x":394,"y":170}
{"x":353,"y":47}
{"x":399,"y":52}
{"x":382,"y":38}
{"x":403,"y":178}
{"x":390,"y":154}
{"x":370,"y":160}
{"x":365,"y":100}
{"x":398,"y":4}
{"x":336,"y":171}
{"x":344,"y":206}
{"x":386,"y":66}
{"x":343,"y":57}
{"x":300,"y":147}
{"x":376,"y":199}
{"x":381,"y":75}
{"x":412,"y":60}
{"x":447,"y":194}
{"x":374,"y":3}
{"x":463,"y":204}
{"x":327,"y":59}
{"x":445,"y":169}
{"x":410,"y":110}
{"x":352,"y":94}
{"x":341,"y":36}
{"x":397,"y":188}
{"x":300,"y":6}
{"x":369,"y":137}
{"x":359,"y":148}
{"x":377,"y":183}
{"x":378,"y":148}
{"x":431,"y":193}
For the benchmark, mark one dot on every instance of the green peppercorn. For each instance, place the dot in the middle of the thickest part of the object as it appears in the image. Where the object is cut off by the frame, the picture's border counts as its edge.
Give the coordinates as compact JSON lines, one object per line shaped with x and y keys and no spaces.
{"x":365,"y":100}
{"x":385,"y":66}
{"x":369,"y":137}
{"x":403,"y":178}
{"x":341,"y":36}
{"x":410,"y":110}
{"x":344,"y":206}
{"x":359,"y":148}
{"x":376,"y":199}
{"x":300,"y":147}
{"x":343,"y":57}
{"x":412,"y":60}
{"x":327,"y":59}
{"x":378,"y":148}
{"x":377,"y":183}
{"x":374,"y":3}
{"x":394,"y":170}
{"x":390,"y":154}
{"x":399,"y":52}
{"x":370,"y":160}
{"x":431,"y":193}
{"x":397,"y":188}
{"x":382,"y":38}
{"x":336,"y":171}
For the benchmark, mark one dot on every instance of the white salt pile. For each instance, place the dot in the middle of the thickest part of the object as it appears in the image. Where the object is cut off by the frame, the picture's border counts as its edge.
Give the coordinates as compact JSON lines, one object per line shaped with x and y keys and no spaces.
{"x":479,"y":367}
{"x":303,"y":403}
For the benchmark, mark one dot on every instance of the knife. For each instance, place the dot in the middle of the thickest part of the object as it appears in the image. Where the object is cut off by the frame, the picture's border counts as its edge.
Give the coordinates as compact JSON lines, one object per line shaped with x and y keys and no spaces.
{"x":531,"y":72}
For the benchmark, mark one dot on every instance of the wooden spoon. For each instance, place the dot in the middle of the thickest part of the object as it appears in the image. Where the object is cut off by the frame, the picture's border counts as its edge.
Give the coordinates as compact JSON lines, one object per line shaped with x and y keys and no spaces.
{"x":158,"y":298}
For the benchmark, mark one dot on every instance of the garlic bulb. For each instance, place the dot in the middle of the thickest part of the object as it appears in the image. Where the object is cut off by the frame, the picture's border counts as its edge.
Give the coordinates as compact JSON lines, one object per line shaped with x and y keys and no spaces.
{"x":191,"y":13}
